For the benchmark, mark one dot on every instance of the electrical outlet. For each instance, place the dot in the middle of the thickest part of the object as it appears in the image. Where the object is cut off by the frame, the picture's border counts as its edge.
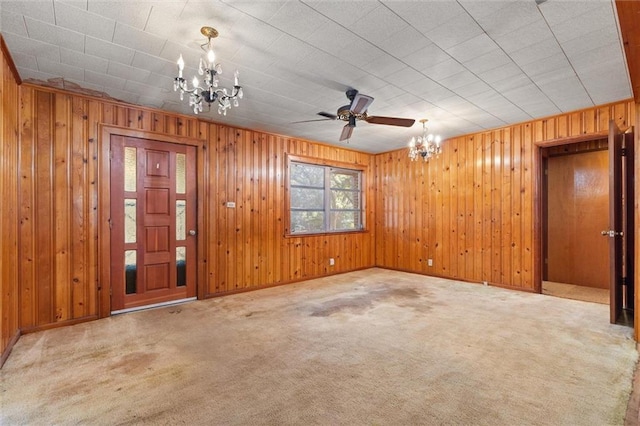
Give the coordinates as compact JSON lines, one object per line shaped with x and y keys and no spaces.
{"x":430,"y":262}
{"x":485,"y":283}
{"x":332,"y":261}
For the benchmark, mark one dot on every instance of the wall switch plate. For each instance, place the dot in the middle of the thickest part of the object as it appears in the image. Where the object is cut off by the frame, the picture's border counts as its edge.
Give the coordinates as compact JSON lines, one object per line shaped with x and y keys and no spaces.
{"x":429,"y":262}
{"x":231,"y":205}
{"x":332,"y":261}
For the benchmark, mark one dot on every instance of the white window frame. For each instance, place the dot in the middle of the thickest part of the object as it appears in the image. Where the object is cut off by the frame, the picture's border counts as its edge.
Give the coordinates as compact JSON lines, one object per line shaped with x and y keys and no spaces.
{"x":328,"y":168}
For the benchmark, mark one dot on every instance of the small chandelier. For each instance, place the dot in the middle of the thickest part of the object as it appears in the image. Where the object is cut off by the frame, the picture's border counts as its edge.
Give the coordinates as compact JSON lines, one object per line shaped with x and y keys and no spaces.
{"x":209,"y":92}
{"x":425,"y":146}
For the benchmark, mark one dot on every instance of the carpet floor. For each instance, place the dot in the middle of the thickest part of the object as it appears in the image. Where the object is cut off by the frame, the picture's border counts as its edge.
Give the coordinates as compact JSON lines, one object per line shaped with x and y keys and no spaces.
{"x":577,"y":292}
{"x":368,"y":347}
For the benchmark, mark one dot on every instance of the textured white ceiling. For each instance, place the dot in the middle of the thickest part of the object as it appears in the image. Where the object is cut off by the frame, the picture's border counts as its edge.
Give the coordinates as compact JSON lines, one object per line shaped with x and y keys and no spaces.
{"x":465,"y":65}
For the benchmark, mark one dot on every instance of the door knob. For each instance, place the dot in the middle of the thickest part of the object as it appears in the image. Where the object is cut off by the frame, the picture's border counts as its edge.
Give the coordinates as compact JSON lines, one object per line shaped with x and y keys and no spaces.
{"x":611,"y":233}
{"x":192,"y":232}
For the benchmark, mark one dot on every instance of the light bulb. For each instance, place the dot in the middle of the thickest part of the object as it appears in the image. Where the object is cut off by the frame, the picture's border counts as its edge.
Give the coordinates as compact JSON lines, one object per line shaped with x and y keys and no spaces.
{"x":438,"y":140}
{"x":195,"y":82}
{"x":211,"y":56}
{"x":412,"y":142}
{"x":235,"y":75}
{"x":180,"y":66}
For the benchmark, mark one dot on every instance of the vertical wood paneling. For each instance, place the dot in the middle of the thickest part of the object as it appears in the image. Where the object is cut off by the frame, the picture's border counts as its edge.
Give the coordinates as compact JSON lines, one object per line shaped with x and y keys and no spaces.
{"x":9,"y":205}
{"x":60,"y":190}
{"x":470,"y":209}
{"x":487,"y":178}
{"x":253,"y":250}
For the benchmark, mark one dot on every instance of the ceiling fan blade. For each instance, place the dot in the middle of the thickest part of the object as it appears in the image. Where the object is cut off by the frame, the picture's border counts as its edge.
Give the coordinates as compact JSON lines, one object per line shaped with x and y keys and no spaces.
{"x":360,"y":103}
{"x":391,"y":121}
{"x":309,"y":121}
{"x":328,"y":115}
{"x":346,"y":132}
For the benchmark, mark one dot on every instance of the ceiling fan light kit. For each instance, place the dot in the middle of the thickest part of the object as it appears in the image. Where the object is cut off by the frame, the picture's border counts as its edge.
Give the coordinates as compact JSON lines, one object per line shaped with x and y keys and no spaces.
{"x":357,"y":111}
{"x":209,"y":91}
{"x":424,"y":146}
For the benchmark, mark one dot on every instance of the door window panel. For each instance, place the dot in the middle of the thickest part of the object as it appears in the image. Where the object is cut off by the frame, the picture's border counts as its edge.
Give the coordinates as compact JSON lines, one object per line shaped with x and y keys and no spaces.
{"x":130,"y":168}
{"x":130,"y":271}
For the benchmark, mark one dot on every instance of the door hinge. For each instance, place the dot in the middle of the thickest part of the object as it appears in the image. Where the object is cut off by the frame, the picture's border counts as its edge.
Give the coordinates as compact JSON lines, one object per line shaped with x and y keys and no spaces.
{"x":623,"y":281}
{"x":110,"y":224}
{"x":623,"y":152}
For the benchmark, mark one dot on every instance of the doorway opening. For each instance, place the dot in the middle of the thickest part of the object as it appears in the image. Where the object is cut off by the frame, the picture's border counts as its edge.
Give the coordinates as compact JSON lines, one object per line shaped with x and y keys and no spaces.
{"x":575,"y":211}
{"x":586,"y":228}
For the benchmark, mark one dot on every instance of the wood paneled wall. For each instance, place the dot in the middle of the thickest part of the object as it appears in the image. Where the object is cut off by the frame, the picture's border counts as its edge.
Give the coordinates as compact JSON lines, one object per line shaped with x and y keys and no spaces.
{"x":244,"y":248}
{"x":473,"y":210}
{"x":247,"y":244}
{"x":9,"y":328}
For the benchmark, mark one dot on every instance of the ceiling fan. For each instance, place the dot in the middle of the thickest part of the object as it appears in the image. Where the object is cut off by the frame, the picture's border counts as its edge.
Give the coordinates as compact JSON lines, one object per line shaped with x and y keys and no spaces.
{"x":357,"y":110}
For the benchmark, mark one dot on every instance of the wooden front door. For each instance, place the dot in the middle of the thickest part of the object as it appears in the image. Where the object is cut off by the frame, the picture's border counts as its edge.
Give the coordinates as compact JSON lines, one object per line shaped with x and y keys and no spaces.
{"x":621,"y":229}
{"x":153,"y":219}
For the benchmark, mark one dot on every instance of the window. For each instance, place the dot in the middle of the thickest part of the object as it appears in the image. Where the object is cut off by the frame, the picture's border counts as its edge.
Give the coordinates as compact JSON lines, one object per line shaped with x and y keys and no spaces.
{"x":324,"y":199}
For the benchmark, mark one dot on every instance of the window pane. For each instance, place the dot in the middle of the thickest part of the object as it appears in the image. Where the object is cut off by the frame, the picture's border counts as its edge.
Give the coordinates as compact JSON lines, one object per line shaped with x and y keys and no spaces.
{"x":130,"y":167}
{"x":181,"y":219}
{"x":344,"y":179}
{"x":306,"y":198}
{"x":348,"y":200}
{"x":129,"y":220}
{"x":307,"y":221}
{"x":130,"y":271}
{"x":345,"y":220}
{"x":307,"y":175}
{"x":181,"y":266}
{"x":181,"y":173}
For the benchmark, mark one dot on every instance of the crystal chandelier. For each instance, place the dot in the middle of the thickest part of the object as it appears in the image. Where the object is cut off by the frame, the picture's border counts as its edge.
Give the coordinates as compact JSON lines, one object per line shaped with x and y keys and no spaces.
{"x":425,"y":146}
{"x":209,"y":92}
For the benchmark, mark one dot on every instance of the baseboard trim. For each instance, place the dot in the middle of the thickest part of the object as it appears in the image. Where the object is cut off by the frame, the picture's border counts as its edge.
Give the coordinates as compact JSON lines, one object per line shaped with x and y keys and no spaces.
{"x":508,"y":287}
{"x":10,"y":345}
{"x":37,"y":328}
{"x":244,"y":290}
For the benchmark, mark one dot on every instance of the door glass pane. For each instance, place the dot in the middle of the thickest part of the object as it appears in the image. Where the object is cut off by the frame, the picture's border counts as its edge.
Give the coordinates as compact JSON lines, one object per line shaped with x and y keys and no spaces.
{"x":181,"y":173}
{"x":181,"y":220}
{"x":130,"y":167}
{"x":129,"y":220}
{"x":130,"y":271}
{"x":181,"y":266}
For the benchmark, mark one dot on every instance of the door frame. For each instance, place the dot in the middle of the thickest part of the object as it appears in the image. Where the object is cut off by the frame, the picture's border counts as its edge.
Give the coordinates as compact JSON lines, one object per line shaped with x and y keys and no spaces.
{"x":539,"y":205}
{"x":104,"y":207}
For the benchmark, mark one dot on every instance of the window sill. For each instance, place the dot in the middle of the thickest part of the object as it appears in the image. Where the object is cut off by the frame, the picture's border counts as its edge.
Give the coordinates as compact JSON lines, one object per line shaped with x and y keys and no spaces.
{"x":326,"y":234}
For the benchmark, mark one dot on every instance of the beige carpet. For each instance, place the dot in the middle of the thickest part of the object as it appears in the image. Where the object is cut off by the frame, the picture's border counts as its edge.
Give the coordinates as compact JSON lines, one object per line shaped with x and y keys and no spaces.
{"x":576,"y":292}
{"x":364,"y":348}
